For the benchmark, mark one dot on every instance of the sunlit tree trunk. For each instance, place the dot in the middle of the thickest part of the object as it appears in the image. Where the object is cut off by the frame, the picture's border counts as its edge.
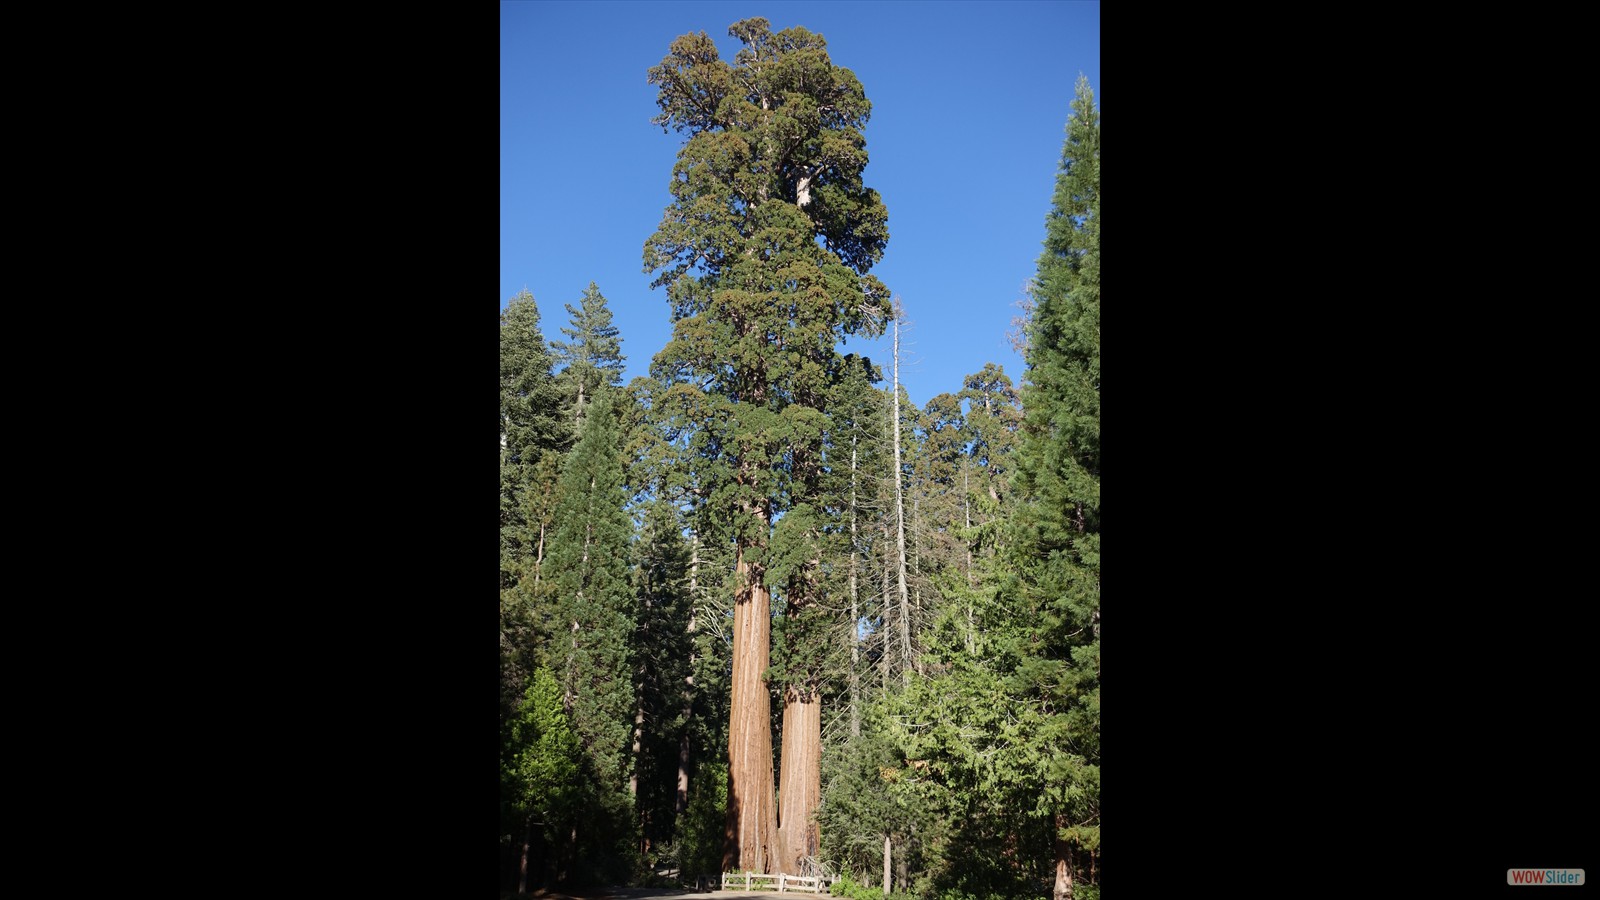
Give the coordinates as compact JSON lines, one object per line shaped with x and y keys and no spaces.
{"x":1063,"y":886}
{"x":752,"y":829}
{"x":887,"y":881}
{"x":801,"y":780}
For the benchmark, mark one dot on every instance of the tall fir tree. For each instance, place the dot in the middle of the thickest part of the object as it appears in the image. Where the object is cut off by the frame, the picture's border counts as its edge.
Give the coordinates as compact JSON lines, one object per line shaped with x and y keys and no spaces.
{"x":530,"y":402}
{"x":532,"y":436}
{"x":1056,"y":528}
{"x":592,"y":354}
{"x":764,"y":252}
{"x":662,"y":651}
{"x":593,"y":597}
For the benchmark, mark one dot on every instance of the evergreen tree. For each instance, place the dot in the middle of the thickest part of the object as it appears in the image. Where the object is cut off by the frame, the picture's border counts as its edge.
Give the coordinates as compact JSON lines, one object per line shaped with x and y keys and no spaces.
{"x":531,"y":438}
{"x":588,"y":561}
{"x":662,"y":658}
{"x":857,"y":437}
{"x":530,"y":402}
{"x":998,"y":749}
{"x":764,"y":252}
{"x":1056,"y":529}
{"x":539,"y":780}
{"x":667,"y":474}
{"x":593,"y":354}
{"x":993,"y":416}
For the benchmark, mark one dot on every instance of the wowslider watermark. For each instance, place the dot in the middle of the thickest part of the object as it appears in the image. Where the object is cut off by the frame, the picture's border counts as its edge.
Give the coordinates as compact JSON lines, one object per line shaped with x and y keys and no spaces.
{"x":1544,"y":876}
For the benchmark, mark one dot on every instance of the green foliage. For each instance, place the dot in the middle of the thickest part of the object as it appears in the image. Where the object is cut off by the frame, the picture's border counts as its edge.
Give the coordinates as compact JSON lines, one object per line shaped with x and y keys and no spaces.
{"x":590,"y":626}
{"x":593,"y":354}
{"x":530,"y":421}
{"x":996,"y":753}
{"x":532,"y":436}
{"x":764,"y":252}
{"x":545,"y":766}
{"x":958,"y":894}
{"x":541,"y":790}
{"x":873,"y":789}
{"x":661,"y":651}
{"x":700,"y":825}
{"x":588,"y":561}
{"x":994,"y":414}
{"x":845,"y":887}
{"x":1050,"y":655}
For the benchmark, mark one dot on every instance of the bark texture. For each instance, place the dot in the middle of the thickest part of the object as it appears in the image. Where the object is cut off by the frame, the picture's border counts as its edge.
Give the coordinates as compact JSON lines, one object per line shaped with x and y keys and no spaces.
{"x":752,"y":827}
{"x":801,"y":782}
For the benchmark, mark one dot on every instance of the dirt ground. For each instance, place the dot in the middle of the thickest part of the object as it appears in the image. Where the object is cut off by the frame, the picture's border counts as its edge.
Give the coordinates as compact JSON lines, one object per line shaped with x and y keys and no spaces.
{"x":622,"y":893}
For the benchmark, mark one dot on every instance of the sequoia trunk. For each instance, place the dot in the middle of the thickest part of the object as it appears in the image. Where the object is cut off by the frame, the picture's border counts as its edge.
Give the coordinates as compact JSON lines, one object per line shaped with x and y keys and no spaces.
{"x":752,"y":827}
{"x":800,"y":783}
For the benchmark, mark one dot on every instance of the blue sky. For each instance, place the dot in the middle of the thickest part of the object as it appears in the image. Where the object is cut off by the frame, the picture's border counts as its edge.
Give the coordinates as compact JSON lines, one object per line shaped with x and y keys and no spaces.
{"x":969,"y":107}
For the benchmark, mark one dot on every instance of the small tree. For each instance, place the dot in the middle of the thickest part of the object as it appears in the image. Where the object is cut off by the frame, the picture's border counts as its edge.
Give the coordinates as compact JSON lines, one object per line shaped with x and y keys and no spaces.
{"x":542,"y":774}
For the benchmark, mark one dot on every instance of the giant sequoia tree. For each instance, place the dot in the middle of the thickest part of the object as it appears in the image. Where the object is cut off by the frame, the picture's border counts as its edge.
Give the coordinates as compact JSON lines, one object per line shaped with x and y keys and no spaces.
{"x":764,"y":252}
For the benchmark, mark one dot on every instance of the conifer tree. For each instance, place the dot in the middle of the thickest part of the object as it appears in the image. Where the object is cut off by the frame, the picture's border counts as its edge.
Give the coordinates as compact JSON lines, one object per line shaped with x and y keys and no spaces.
{"x":764,"y":252}
{"x":530,"y":429}
{"x":530,"y":422}
{"x":592,"y":355}
{"x":1056,"y":528}
{"x":541,"y":777}
{"x":588,"y":561}
{"x":663,"y":633}
{"x":531,"y":438}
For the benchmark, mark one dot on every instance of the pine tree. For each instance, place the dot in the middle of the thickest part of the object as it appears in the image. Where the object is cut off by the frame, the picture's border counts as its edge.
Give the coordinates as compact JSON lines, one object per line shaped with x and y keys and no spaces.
{"x":593,"y":354}
{"x":764,"y":252}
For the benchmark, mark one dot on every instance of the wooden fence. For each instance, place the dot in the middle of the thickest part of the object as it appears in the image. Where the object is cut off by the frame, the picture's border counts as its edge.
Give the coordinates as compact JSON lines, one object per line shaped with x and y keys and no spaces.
{"x":753,"y":881}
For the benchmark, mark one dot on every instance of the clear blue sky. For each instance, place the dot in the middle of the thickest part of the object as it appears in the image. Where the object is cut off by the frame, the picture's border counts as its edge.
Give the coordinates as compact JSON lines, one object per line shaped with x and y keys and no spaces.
{"x":969,"y":107}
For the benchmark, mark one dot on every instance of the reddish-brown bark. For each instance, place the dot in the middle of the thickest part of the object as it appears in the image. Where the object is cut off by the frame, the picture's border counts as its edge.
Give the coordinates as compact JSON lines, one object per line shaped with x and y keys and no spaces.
{"x":800,"y":784}
{"x":752,"y":827}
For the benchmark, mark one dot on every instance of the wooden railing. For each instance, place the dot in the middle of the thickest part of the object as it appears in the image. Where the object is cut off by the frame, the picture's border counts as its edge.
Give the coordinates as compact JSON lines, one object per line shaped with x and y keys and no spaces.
{"x":755,"y":881}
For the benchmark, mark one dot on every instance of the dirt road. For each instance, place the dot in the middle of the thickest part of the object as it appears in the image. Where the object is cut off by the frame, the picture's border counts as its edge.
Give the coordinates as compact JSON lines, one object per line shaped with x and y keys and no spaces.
{"x":622,"y":893}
